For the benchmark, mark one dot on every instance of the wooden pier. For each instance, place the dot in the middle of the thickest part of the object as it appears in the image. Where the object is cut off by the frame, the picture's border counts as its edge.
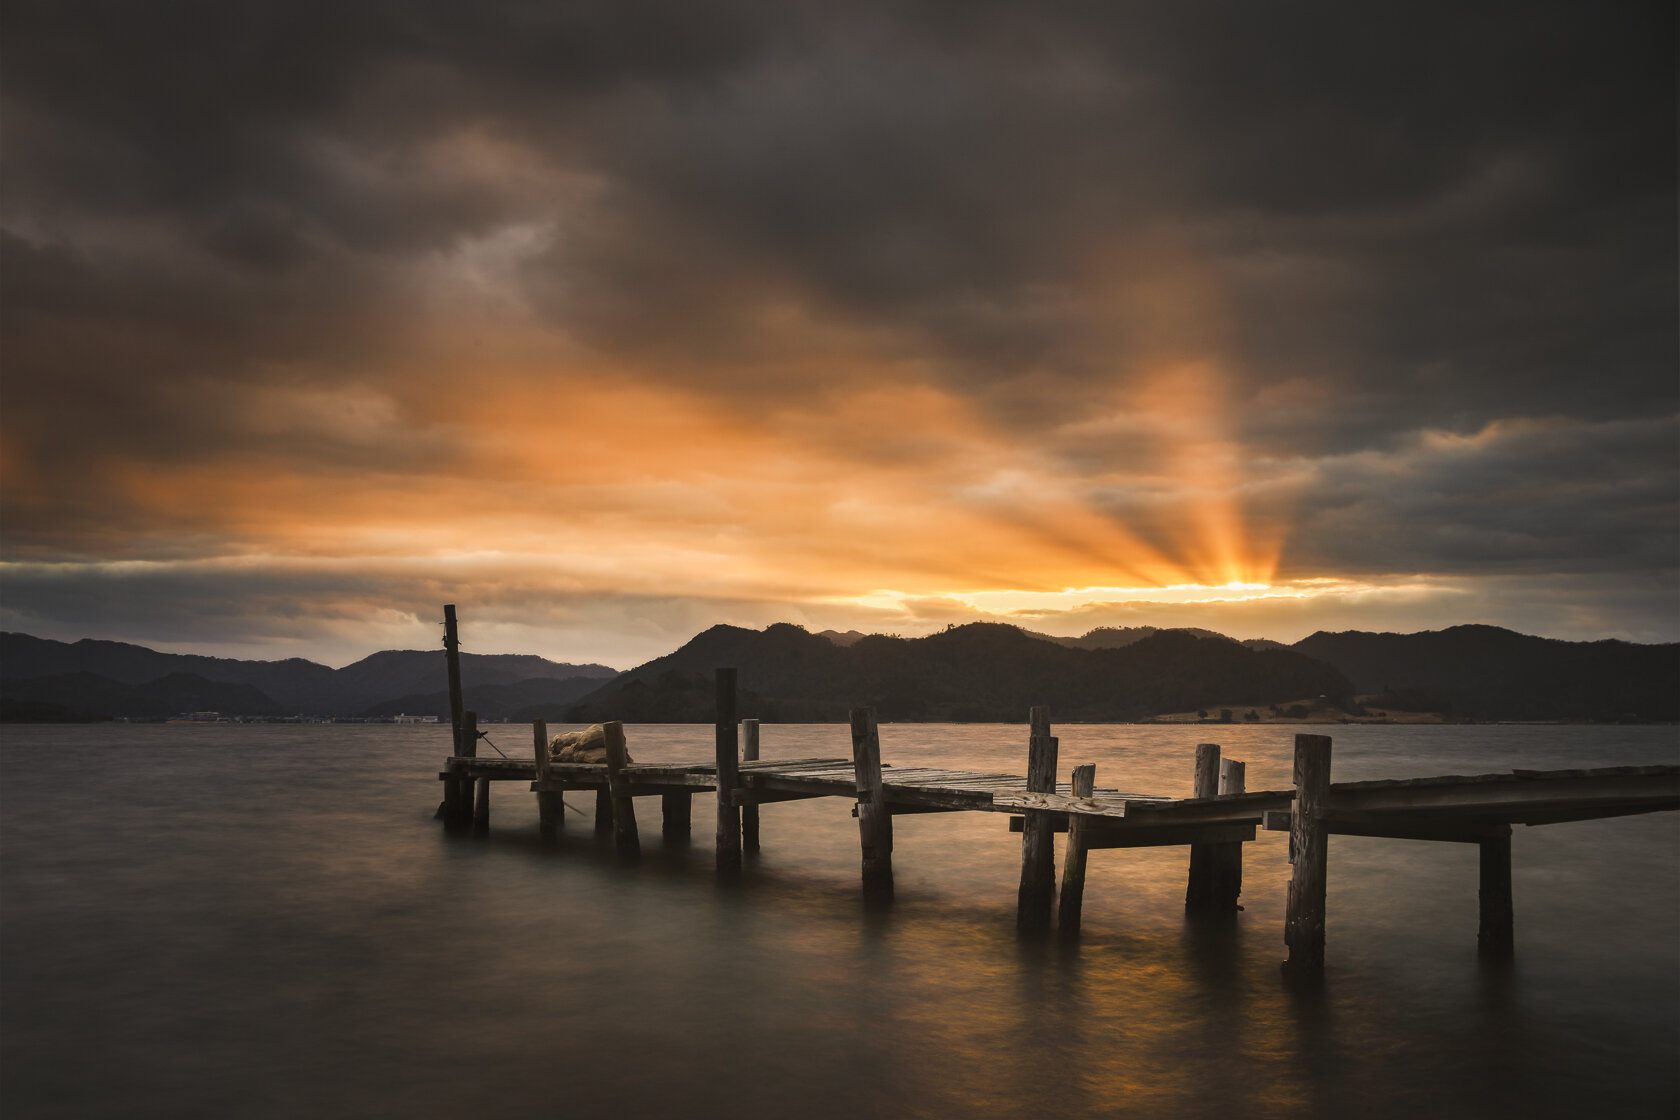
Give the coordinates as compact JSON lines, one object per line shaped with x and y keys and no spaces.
{"x":1214,"y":823}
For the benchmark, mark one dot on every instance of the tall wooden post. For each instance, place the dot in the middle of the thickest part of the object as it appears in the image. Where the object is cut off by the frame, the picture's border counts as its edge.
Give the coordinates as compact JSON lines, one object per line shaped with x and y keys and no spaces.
{"x":625,"y":837}
{"x":1038,"y":853}
{"x":1309,"y":836}
{"x":874,"y":818}
{"x":1073,"y":863}
{"x":1228,"y":856}
{"x":469,"y":735}
{"x":1495,"y":937}
{"x":749,"y":813}
{"x":452,"y":661}
{"x":551,"y":807}
{"x":728,"y":776}
{"x":1198,"y":894}
{"x":603,"y":812}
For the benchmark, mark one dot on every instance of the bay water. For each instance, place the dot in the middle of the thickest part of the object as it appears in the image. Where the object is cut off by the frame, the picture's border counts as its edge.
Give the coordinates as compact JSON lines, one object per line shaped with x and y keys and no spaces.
{"x":266,"y":921}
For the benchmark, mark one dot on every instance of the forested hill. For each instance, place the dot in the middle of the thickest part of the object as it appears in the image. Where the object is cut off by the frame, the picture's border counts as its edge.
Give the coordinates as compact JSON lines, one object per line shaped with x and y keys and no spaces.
{"x":119,"y":679}
{"x":978,"y":672}
{"x":1485,"y":672}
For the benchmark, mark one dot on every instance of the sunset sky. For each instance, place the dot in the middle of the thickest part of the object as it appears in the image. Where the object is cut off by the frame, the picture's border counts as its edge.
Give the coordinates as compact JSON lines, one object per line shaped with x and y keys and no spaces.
{"x":611,"y":321}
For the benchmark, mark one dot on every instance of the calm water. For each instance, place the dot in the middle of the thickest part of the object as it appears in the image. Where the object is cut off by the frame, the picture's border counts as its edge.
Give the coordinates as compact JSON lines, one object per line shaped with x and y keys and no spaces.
{"x":265,"y":921}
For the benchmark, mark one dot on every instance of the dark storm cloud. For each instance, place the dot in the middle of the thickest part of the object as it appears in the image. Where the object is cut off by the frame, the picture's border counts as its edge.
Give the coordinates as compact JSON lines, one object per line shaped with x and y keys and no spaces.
{"x":1376,"y":222}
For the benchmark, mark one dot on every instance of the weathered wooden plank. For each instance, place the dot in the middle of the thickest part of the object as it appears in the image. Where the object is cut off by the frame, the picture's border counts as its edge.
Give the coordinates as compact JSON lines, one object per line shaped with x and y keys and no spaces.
{"x":975,"y":800}
{"x":746,"y":797}
{"x":1508,"y":795}
{"x":1038,"y":853}
{"x":1073,"y":862}
{"x":1060,"y":803}
{"x":728,"y":776}
{"x":1309,"y":852}
{"x":749,"y":811}
{"x":874,"y":821}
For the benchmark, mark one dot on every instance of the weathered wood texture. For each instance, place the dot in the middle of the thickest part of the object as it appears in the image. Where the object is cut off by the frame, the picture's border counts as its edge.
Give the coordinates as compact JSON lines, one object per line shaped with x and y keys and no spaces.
{"x":874,"y":818}
{"x":749,"y":813}
{"x":1199,"y":891}
{"x":676,"y":817}
{"x":728,"y":776}
{"x":452,"y":665}
{"x":1227,"y":857}
{"x":625,"y":838}
{"x":1038,"y":853}
{"x":1073,"y":863}
{"x":1495,"y":937}
{"x":469,"y":735}
{"x":1303,"y":929}
{"x":603,"y":812}
{"x":551,"y":806}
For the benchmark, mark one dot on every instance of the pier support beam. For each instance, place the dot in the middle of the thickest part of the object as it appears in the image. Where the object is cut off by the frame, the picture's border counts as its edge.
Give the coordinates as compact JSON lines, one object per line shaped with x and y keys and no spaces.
{"x":749,"y":813}
{"x":1228,"y":856}
{"x":551,"y":809}
{"x":1038,"y":853}
{"x":1309,"y":851}
{"x":728,"y":777}
{"x":874,"y":819}
{"x":466,"y":746}
{"x":481,"y":809}
{"x":1199,"y":892}
{"x":603,"y":813}
{"x":454,"y":811}
{"x":625,"y":837}
{"x":1494,"y":937}
{"x":677,"y":817}
{"x":1073,"y":863}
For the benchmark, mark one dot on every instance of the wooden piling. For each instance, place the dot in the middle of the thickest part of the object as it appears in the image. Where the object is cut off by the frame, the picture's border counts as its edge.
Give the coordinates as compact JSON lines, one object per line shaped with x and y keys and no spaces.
{"x":677,"y":817}
{"x":874,"y":819}
{"x":625,"y":837}
{"x":1038,"y":853}
{"x":551,"y":809}
{"x":481,"y":809}
{"x":749,"y":813}
{"x":453,"y":813}
{"x":1309,"y":835}
{"x":1199,"y":891}
{"x":603,"y":813}
{"x":1228,"y":856}
{"x":728,"y":776}
{"x":452,"y":661}
{"x":1073,"y":863}
{"x":1494,"y":936}
{"x":467,"y":747}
